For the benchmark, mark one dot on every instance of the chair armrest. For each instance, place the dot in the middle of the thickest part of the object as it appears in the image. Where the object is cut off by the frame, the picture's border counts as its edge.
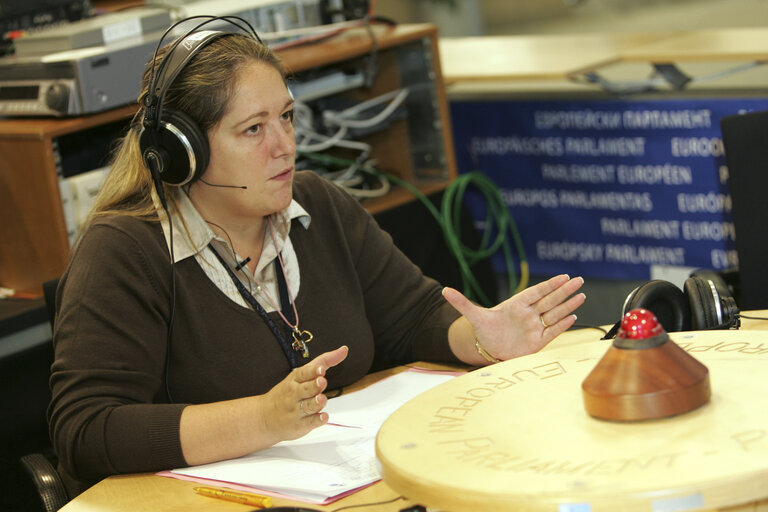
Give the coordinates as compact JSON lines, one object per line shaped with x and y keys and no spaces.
{"x":47,"y":480}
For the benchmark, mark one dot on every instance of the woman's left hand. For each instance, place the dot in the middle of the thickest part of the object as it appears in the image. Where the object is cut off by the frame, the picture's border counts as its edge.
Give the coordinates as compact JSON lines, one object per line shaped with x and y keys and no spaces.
{"x":520,"y":325}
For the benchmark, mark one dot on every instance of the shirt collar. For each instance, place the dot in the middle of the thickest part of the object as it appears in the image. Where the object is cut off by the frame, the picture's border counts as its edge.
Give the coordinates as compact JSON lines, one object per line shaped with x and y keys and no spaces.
{"x":191,"y":234}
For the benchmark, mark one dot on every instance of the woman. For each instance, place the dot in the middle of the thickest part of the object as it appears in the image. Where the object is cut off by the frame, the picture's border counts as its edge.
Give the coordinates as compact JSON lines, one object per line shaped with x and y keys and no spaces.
{"x":132,"y":395}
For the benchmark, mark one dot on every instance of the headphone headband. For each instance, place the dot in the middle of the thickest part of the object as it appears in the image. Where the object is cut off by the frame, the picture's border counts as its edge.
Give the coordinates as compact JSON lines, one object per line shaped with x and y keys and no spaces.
{"x":179,"y":54}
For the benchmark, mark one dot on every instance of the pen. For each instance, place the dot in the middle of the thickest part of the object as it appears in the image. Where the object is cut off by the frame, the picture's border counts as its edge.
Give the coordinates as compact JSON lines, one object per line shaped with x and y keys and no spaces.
{"x":246,"y":498}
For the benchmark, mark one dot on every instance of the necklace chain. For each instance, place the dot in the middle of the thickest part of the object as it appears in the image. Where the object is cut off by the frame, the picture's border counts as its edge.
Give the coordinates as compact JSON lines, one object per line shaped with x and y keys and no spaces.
{"x":291,"y":299}
{"x":300,"y":338}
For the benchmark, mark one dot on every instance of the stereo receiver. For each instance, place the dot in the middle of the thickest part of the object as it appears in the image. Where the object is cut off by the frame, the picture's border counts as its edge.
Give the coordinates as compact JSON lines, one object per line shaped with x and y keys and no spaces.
{"x":75,"y":82}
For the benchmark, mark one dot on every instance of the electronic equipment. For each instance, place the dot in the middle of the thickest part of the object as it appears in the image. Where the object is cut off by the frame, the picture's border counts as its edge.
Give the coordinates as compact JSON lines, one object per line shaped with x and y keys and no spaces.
{"x":341,"y":10}
{"x":264,"y":16}
{"x":107,"y":54}
{"x":30,"y":15}
{"x":272,"y":15}
{"x":96,"y":31}
{"x":326,"y":84}
{"x":75,"y":82}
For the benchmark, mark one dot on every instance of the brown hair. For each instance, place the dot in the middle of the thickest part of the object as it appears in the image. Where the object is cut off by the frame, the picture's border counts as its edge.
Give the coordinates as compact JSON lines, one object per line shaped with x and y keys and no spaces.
{"x":202,"y":91}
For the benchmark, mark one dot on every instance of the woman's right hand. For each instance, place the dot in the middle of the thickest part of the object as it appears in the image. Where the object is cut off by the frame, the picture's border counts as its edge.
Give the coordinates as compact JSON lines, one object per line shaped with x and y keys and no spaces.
{"x":233,"y":428}
{"x":295,"y":405}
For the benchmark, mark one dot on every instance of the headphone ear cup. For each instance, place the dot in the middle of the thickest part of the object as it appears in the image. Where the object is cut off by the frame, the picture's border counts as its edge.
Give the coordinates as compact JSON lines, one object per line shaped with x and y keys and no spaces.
{"x":180,"y":145}
{"x":702,"y":302}
{"x":665,"y":300}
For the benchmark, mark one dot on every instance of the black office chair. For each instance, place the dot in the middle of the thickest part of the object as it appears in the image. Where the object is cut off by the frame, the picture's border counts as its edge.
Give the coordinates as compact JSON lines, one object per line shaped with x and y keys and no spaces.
{"x":746,"y":153}
{"x":41,"y":466}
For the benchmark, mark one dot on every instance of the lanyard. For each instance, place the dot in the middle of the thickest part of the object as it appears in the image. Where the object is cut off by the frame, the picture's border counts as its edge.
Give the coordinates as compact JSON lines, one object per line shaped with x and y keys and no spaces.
{"x":282,"y":337}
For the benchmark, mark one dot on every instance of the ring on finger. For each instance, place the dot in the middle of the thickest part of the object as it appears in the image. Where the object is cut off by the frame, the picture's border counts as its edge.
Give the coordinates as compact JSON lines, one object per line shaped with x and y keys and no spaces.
{"x":301,"y":406}
{"x":541,"y":319}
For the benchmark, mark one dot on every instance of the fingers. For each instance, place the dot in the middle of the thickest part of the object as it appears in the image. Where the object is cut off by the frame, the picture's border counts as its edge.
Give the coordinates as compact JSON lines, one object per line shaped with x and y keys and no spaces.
{"x":319,"y":365}
{"x":295,"y":405}
{"x":311,"y":388}
{"x":561,"y":314}
{"x":312,"y":405}
{"x":535,"y":293}
{"x":332,"y":358}
{"x":462,"y":304}
{"x":558,"y":305}
{"x":312,"y":382}
{"x":559,"y":327}
{"x":557,"y":295}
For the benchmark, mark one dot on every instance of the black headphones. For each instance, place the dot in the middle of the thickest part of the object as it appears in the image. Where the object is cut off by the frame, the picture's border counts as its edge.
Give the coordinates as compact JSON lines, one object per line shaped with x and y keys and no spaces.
{"x":704,"y":303}
{"x":173,"y":146}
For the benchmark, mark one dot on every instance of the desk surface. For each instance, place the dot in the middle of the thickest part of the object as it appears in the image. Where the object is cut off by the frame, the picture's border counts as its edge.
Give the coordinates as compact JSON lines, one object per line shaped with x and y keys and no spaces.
{"x":502,"y":58}
{"x":151,"y":493}
{"x":536,"y":63}
{"x":735,"y":44}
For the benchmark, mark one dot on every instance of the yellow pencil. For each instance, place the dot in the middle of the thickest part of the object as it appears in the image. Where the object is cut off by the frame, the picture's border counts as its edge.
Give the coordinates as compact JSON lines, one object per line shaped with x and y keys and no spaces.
{"x":245,"y":498}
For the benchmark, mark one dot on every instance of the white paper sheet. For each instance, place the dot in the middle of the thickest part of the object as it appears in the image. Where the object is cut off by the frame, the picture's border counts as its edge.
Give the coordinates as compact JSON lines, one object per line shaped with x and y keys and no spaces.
{"x":333,"y":459}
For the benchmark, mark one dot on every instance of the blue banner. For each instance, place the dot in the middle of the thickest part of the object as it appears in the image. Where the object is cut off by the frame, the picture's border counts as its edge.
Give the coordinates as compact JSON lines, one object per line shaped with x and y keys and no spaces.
{"x":606,"y":188}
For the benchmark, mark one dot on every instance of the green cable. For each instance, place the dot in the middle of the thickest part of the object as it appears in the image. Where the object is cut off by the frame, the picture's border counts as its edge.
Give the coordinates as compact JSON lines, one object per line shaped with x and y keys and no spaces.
{"x":497,"y":216}
{"x":449,"y":220}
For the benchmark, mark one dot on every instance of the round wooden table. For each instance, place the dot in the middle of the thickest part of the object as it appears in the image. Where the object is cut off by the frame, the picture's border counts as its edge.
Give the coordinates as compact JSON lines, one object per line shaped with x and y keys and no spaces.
{"x":515,"y":436}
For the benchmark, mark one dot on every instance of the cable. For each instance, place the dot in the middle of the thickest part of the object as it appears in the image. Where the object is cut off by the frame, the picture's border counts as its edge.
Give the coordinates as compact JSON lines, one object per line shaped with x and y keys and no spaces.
{"x":347,"y":507}
{"x":499,"y":217}
{"x":448,"y":218}
{"x":371,"y":102}
{"x":173,"y":308}
{"x":155,"y":172}
{"x":367,"y":193}
{"x":326,"y":142}
{"x":372,"y":67}
{"x":309,"y":140}
{"x":752,"y":317}
{"x":343,"y":118}
{"x":590,"y":326}
{"x":305,"y":122}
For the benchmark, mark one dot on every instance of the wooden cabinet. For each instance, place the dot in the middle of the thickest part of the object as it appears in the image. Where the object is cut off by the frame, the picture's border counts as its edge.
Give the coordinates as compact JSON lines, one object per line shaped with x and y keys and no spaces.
{"x":36,"y":153}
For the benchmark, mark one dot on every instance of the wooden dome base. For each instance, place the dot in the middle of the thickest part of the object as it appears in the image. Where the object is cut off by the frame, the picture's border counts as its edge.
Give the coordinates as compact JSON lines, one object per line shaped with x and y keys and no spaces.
{"x":643,"y":384}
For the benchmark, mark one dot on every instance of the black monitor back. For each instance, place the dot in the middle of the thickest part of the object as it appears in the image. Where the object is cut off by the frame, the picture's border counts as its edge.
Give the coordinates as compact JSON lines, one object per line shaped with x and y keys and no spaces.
{"x":745,"y":138}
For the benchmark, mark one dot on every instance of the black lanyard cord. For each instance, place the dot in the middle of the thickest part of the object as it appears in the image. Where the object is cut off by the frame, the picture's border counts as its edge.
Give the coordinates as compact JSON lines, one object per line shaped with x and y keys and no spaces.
{"x":282,"y":337}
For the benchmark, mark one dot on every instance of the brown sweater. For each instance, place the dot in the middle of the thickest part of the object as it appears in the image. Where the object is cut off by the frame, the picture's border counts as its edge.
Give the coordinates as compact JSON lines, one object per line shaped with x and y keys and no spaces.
{"x":109,"y":412}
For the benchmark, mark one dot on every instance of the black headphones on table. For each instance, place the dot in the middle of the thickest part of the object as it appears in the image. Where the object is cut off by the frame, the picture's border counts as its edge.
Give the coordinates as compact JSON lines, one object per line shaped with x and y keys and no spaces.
{"x":705,"y":303}
{"x":172,"y":146}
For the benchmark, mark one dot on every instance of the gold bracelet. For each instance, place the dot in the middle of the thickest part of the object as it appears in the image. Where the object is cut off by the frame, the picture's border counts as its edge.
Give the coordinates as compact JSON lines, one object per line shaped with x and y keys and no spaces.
{"x":480,"y":350}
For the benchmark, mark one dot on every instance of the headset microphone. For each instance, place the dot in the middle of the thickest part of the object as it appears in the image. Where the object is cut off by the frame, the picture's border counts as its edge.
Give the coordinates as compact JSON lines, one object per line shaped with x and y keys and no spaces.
{"x":222,"y":186}
{"x":243,"y":263}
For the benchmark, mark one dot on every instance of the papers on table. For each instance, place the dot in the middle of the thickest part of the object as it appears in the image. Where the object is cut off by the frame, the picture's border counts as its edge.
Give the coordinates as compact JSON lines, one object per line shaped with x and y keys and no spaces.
{"x":331,"y":461}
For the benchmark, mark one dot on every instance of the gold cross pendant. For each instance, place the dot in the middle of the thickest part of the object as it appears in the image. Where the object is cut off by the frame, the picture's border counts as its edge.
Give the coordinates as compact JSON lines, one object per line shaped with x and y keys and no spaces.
{"x":300,"y":340}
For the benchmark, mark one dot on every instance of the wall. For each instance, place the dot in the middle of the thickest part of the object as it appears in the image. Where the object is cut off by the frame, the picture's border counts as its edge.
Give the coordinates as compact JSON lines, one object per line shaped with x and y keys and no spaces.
{"x":579,"y":16}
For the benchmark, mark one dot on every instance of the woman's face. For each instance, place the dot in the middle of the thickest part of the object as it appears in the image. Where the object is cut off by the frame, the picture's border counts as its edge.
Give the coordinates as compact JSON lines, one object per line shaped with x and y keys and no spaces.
{"x":253,"y":145}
